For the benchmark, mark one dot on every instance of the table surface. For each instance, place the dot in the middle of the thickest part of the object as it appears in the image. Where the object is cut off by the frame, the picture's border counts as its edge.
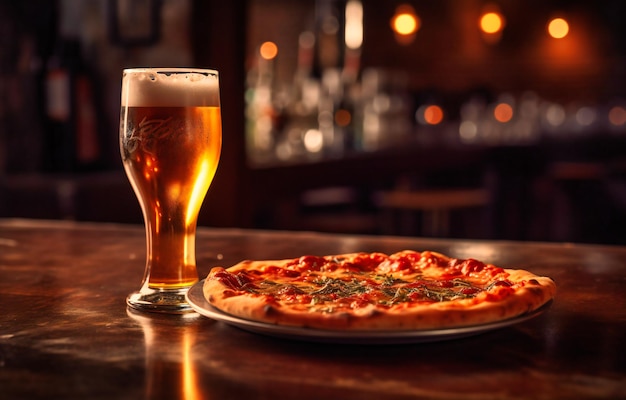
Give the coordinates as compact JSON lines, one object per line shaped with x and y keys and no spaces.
{"x":65,"y":331}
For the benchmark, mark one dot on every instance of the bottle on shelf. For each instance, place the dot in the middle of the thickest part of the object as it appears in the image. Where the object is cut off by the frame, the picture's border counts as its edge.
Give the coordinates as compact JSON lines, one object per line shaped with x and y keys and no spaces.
{"x":72,"y":141}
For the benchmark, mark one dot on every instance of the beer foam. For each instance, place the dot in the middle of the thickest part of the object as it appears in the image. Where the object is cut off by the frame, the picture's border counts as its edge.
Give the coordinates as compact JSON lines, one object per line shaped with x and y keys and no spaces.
{"x":170,"y":88}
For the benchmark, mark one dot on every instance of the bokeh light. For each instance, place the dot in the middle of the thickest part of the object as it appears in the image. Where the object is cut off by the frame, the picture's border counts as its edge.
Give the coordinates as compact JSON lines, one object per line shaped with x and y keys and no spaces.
{"x":558,"y":28}
{"x":313,"y":140}
{"x":354,"y":24}
{"x":503,"y":112}
{"x":405,"y":21}
{"x":343,"y":117}
{"x":585,"y":116}
{"x":617,"y":116}
{"x":468,"y":131}
{"x":491,"y":22}
{"x":433,"y":115}
{"x":555,"y":115}
{"x":268,"y":50}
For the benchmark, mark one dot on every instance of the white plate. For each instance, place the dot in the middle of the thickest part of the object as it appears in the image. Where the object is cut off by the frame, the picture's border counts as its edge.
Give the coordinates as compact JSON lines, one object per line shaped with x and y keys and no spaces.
{"x":196,"y":299}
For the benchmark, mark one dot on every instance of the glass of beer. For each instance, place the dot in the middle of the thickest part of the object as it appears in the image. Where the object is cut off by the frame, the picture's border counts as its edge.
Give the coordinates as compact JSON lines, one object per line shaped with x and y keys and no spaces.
{"x":170,"y":143}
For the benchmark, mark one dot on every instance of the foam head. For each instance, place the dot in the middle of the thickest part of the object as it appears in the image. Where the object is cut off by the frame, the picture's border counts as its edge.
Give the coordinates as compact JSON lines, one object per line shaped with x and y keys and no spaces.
{"x":173,"y":87}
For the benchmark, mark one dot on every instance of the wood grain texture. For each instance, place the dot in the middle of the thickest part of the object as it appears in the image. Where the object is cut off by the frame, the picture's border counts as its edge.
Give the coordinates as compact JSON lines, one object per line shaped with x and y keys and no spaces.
{"x":65,"y":331}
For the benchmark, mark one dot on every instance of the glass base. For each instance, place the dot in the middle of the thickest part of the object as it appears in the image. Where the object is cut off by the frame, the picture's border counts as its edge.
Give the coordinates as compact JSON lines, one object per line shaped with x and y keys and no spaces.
{"x":170,"y":301}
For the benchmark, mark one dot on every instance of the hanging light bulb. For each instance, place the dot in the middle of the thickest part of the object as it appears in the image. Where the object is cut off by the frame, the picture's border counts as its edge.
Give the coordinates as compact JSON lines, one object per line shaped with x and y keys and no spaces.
{"x":558,"y":28}
{"x":405,"y":23}
{"x":491,"y":23}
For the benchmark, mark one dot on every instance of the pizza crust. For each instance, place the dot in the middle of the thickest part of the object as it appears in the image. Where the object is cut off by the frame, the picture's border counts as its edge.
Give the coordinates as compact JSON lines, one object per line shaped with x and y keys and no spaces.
{"x":529,"y":296}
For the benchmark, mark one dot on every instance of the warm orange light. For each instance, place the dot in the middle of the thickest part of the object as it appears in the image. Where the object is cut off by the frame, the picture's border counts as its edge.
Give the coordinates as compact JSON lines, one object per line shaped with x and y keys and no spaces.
{"x":491,"y":22}
{"x":405,"y":21}
{"x":617,"y":116}
{"x":558,"y":28}
{"x":433,"y":115}
{"x":503,"y":112}
{"x":405,"y":24}
{"x":342,"y":117}
{"x":268,"y":50}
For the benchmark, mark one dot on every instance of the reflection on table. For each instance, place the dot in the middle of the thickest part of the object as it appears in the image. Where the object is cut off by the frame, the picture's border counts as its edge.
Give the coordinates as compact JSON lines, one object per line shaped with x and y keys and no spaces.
{"x":65,"y":331}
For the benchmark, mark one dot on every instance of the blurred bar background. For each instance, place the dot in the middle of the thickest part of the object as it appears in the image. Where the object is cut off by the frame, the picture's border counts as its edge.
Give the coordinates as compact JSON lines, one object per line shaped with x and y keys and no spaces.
{"x":476,"y":119}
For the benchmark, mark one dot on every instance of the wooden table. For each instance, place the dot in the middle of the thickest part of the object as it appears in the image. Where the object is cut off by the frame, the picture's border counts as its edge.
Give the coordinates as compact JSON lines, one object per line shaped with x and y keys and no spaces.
{"x":65,"y":331}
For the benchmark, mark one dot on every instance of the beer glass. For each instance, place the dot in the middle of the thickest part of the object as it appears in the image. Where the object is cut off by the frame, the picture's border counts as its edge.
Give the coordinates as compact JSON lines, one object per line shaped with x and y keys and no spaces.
{"x":170,"y":143}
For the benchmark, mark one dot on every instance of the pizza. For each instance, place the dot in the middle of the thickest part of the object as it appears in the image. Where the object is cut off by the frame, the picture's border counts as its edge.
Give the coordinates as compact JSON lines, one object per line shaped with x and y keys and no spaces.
{"x":408,"y":290}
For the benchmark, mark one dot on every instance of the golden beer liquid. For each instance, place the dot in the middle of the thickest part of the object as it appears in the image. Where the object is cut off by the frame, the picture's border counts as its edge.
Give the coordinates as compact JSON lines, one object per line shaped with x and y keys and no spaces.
{"x":170,"y":155}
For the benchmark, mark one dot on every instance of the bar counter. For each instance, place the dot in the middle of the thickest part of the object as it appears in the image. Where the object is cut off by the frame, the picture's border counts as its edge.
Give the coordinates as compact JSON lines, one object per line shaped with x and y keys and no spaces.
{"x":65,"y":331}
